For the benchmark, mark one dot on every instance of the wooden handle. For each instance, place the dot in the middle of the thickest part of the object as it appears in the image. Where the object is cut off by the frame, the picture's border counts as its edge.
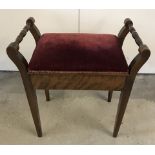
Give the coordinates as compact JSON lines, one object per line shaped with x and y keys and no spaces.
{"x":13,"y":48}
{"x":22,"y":34}
{"x":144,"y":52}
{"x":29,"y":23}
{"x":30,"y":26}
{"x":129,"y":24}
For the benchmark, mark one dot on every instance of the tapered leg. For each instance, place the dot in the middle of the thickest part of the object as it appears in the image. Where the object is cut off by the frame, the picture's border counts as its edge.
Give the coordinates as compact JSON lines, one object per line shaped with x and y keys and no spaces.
{"x":110,"y":96}
{"x":47,"y":94}
{"x":124,"y":97}
{"x":32,"y":100}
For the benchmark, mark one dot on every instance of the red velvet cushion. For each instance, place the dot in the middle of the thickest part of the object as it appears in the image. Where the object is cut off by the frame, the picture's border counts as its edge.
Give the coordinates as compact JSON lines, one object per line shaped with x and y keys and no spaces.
{"x":78,"y":52}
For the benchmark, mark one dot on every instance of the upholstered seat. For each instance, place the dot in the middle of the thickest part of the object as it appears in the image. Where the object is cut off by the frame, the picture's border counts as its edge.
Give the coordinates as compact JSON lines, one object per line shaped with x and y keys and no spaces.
{"x":78,"y":52}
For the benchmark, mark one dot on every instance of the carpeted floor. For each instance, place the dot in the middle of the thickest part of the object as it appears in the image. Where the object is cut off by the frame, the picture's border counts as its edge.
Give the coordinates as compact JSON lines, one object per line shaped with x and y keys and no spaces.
{"x":76,"y":117}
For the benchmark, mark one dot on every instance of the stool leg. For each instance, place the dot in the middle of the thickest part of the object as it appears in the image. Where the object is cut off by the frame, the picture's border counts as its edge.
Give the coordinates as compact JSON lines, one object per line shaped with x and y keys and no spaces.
{"x":47,"y":94}
{"x":32,"y":100}
{"x":110,"y":96}
{"x":123,"y":100}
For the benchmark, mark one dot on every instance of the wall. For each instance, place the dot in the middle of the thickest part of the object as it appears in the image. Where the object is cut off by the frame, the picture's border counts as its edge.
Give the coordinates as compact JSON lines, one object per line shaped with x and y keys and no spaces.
{"x":91,"y":21}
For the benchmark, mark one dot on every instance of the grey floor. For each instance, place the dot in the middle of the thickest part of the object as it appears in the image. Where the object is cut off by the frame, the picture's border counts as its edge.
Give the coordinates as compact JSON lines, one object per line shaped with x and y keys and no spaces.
{"x":76,"y":117}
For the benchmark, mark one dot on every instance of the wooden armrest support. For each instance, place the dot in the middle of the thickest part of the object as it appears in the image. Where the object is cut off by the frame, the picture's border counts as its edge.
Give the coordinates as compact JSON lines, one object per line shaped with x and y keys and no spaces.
{"x":144,"y":51}
{"x":22,"y":34}
{"x":129,"y":25}
{"x":30,"y":26}
{"x":13,"y":48}
{"x":33,"y":29}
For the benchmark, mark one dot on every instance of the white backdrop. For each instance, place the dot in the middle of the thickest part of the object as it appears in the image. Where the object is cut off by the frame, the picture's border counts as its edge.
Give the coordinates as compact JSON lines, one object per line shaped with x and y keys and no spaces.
{"x":91,"y":21}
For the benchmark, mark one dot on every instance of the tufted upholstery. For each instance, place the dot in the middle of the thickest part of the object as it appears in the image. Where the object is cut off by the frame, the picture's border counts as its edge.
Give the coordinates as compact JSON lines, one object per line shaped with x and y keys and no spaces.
{"x":78,"y":52}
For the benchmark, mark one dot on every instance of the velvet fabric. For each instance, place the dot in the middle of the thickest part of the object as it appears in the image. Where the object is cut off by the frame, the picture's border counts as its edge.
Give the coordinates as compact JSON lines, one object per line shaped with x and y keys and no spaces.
{"x":78,"y":52}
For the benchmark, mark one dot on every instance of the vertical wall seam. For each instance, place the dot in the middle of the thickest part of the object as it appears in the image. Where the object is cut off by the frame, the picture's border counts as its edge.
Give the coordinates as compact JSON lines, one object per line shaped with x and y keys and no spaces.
{"x":79,"y":20}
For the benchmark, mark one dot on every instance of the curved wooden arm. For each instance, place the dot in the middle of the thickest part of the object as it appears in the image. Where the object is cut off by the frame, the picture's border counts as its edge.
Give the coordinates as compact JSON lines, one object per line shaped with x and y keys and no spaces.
{"x":33,"y":29}
{"x":17,"y":57}
{"x":122,"y":34}
{"x":129,"y":25}
{"x":13,"y":48}
{"x":139,"y":60}
{"x":144,"y":52}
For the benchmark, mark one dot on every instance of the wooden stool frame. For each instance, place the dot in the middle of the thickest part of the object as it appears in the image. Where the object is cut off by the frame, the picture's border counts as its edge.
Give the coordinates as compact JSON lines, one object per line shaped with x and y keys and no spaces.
{"x":111,"y":81}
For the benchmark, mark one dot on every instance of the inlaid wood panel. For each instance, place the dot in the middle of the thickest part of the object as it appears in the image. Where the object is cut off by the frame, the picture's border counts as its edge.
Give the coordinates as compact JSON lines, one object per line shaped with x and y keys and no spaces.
{"x":78,"y":80}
